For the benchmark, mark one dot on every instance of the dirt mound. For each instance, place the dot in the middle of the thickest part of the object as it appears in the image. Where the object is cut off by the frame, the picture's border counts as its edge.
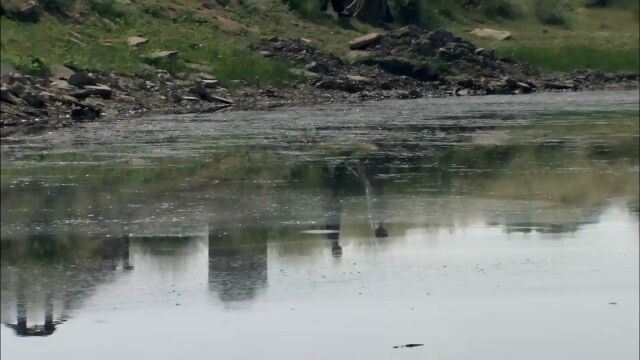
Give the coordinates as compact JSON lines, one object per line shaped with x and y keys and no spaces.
{"x":408,"y":58}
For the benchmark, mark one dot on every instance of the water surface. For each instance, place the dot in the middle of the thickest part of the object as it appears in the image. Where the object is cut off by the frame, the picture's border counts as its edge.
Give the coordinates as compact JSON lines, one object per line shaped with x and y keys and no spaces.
{"x":499,"y":227}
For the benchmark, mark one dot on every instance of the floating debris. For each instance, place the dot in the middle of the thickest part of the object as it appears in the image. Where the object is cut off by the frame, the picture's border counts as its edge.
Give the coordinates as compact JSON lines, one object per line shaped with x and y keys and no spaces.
{"x":407,"y":346}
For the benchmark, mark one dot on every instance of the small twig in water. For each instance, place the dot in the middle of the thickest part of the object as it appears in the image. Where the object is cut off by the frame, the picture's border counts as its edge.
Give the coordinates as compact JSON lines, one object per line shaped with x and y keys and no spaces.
{"x":407,"y":346}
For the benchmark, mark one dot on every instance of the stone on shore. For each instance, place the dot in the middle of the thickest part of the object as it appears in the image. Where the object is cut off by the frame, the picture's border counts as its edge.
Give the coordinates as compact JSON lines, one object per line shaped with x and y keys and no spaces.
{"x":491,"y":33}
{"x":102,"y":91}
{"x":355,"y":55}
{"x":5,"y":95}
{"x":81,"y":79}
{"x":135,"y":41}
{"x":34,"y":99}
{"x":364,"y":41}
{"x":164,"y":54}
{"x":60,"y":72}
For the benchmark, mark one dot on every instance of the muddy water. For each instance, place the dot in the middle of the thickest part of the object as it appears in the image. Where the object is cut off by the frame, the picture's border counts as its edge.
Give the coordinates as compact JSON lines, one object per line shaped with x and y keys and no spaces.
{"x":481,"y":228}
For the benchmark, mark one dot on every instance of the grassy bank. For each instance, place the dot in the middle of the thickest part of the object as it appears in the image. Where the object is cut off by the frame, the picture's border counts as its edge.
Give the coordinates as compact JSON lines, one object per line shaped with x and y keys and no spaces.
{"x":92,"y":33}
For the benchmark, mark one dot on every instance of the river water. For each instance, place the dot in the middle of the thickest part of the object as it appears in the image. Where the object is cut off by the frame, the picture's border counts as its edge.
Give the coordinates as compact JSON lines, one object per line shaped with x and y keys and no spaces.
{"x":498,"y":227}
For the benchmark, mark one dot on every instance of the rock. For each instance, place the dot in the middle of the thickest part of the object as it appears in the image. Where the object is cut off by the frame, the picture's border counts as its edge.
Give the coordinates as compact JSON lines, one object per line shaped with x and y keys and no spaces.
{"x":76,"y":41}
{"x":411,"y":94}
{"x":221,"y":99}
{"x":462,"y":92}
{"x":28,"y":13}
{"x":364,"y":41}
{"x":394,"y":65}
{"x":165,"y":54}
{"x":198,"y":67}
{"x":303,"y":72}
{"x":21,"y":78}
{"x":525,"y":88}
{"x":559,"y":85}
{"x":135,"y":41}
{"x":6,"y":96}
{"x":499,"y":35}
{"x":228,"y":24}
{"x":358,"y":78}
{"x":340,"y":84}
{"x":317,"y":68}
{"x":190,"y":98}
{"x":60,"y":84}
{"x":58,"y":72}
{"x":306,"y":40}
{"x":84,"y":113}
{"x":34,"y":99}
{"x":266,"y":53}
{"x":200,"y":91}
{"x":355,"y":55}
{"x":81,"y":79}
{"x":17,"y":88}
{"x":102,"y":91}
{"x":6,"y":69}
{"x":209,"y":83}
{"x":402,"y":66}
{"x":201,"y":76}
{"x":64,"y":99}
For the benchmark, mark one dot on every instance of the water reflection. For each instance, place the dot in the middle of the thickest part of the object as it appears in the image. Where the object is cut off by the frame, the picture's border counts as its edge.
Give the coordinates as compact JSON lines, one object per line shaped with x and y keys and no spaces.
{"x":44,"y":278}
{"x":232,"y":227}
{"x":238,"y":262}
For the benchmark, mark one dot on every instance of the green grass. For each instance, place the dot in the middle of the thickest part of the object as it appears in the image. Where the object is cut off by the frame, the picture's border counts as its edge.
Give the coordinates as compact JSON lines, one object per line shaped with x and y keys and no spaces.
{"x":105,"y":48}
{"x":600,"y":37}
{"x":550,"y":12}
{"x":597,"y":38}
{"x":571,"y":57}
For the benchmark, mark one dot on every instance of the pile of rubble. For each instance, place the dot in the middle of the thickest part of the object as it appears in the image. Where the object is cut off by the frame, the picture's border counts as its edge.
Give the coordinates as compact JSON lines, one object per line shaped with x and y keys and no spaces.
{"x":411,"y":59}
{"x":65,"y":96}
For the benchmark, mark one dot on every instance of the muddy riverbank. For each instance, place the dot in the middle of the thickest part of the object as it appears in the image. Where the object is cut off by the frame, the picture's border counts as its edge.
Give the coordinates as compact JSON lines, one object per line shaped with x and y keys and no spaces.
{"x":405,"y":63}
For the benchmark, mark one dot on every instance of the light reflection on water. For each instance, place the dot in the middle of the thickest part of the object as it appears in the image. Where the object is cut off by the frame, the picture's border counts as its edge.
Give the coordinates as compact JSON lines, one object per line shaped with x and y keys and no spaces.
{"x":497,"y":227}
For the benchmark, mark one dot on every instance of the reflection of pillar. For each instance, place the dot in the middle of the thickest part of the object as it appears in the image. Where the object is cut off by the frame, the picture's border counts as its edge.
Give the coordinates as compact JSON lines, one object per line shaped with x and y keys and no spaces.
{"x":126,"y":265}
{"x":376,"y":201}
{"x":333,"y":208}
{"x":21,"y":310}
{"x":49,"y":327}
{"x":336,"y":249}
{"x":238,"y":262}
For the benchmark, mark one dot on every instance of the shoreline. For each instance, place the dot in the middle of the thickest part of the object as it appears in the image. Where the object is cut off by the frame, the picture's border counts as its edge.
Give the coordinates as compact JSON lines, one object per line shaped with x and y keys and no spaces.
{"x":405,"y":63}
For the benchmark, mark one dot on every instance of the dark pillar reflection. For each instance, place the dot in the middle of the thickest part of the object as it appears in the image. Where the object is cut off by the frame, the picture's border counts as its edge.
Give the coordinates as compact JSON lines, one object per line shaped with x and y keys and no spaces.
{"x":64,"y":270}
{"x":238,"y":262}
{"x":21,"y":311}
{"x":335,"y":179}
{"x":378,"y":204}
{"x":126,"y":264}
